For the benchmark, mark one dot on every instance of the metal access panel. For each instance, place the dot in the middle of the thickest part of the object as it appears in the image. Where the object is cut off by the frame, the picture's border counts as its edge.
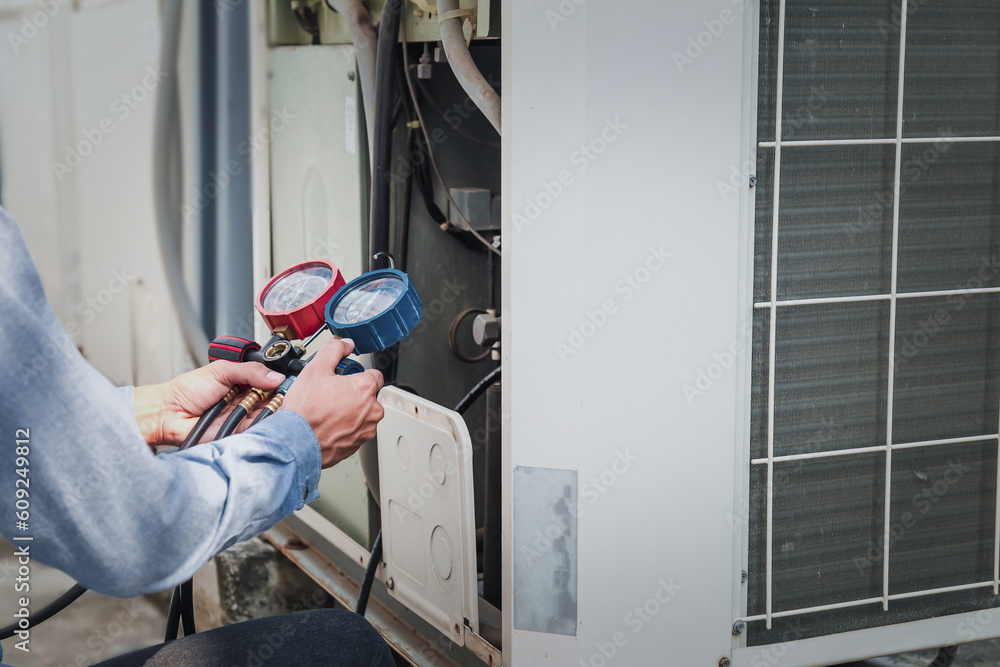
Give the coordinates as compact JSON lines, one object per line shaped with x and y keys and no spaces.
{"x":316,"y":139}
{"x":428,"y":512}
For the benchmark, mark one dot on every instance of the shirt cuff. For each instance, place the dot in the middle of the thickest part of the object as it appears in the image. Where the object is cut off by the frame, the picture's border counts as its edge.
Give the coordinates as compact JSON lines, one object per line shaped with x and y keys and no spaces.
{"x":128,"y":393}
{"x":294,"y":433}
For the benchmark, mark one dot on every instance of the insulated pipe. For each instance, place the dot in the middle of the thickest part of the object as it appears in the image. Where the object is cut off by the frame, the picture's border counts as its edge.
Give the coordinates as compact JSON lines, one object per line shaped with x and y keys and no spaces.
{"x":359,"y":20}
{"x":166,"y":219}
{"x":388,"y":33}
{"x":476,"y":86}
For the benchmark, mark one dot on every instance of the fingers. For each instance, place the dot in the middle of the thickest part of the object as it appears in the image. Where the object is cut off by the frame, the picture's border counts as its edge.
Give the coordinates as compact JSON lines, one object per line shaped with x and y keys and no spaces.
{"x":332,"y":352}
{"x":371,"y":380}
{"x":251,"y":373}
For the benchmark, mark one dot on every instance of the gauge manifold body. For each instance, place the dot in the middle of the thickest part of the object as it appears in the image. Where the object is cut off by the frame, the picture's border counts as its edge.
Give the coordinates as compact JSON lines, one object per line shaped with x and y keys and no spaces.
{"x":296,"y":297}
{"x":375,"y":310}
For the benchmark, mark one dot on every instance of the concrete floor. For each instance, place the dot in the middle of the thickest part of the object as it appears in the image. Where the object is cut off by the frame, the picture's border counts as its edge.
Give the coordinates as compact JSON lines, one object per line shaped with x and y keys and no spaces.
{"x":96,"y":628}
{"x":92,"y":629}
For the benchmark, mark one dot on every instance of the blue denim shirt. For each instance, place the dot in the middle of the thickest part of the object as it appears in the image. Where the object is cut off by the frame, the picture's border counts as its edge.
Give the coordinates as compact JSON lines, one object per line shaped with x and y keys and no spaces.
{"x":100,"y":506}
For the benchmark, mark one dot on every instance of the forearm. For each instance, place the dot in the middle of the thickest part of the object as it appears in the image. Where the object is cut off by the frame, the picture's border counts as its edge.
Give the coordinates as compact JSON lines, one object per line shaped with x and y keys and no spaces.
{"x":102,"y":507}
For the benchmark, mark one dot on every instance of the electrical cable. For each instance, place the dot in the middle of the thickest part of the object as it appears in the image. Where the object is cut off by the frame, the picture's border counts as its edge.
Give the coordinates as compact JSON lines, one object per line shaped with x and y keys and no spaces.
{"x":366,"y":583}
{"x":430,"y":150}
{"x":453,"y":337}
{"x":166,"y":220}
{"x":478,"y":390}
{"x":46,"y":612}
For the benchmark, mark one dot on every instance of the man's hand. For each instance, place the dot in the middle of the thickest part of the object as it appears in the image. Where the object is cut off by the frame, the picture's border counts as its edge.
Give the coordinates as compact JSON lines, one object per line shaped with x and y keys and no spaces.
{"x":167,"y":412}
{"x":341,"y":409}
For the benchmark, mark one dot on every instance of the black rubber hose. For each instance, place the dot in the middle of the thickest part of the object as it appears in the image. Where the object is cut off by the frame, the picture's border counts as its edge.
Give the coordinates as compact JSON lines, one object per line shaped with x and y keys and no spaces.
{"x":366,"y":583}
{"x":228,"y":426}
{"x":478,"y":390}
{"x":264,"y":414}
{"x":388,"y":34}
{"x":173,"y":616}
{"x":47,"y":612}
{"x":187,"y":607}
{"x":204,"y":422}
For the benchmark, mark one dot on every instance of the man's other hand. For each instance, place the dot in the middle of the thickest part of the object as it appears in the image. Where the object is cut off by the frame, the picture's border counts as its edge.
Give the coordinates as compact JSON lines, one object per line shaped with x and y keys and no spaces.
{"x":341,"y":409}
{"x":167,"y":412}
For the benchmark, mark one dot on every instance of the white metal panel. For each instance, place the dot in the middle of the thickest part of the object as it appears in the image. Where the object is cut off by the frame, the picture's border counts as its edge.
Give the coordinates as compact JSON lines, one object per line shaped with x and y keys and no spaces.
{"x":428,"y":511}
{"x":315,"y":198}
{"x":656,"y":472}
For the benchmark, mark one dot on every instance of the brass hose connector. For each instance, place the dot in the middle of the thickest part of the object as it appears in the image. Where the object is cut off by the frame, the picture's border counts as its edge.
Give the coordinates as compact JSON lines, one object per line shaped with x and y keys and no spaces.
{"x":251,"y":399}
{"x":231,"y":396}
{"x":276,"y":402}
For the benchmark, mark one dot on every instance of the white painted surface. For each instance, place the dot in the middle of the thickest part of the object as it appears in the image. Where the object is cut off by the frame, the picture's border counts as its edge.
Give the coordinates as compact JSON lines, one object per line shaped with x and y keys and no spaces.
{"x":654,"y":535}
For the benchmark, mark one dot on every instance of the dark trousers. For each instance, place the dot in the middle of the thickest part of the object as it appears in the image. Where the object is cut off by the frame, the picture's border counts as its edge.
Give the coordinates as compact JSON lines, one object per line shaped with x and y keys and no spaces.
{"x":303,"y":639}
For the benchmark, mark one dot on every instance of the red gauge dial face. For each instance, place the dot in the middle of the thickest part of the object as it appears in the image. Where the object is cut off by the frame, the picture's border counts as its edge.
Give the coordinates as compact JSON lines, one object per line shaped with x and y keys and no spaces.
{"x":296,"y":297}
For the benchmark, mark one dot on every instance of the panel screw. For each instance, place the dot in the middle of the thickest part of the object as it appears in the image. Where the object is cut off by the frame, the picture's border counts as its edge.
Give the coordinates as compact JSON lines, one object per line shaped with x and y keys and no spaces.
{"x":743,"y":576}
{"x":390,"y":584}
{"x":724,"y":662}
{"x":739,"y":627}
{"x":350,"y":76}
{"x":753,"y":181}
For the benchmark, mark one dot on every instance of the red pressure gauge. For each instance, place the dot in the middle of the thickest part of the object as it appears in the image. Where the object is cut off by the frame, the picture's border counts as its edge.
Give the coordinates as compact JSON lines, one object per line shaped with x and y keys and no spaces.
{"x":296,"y":298}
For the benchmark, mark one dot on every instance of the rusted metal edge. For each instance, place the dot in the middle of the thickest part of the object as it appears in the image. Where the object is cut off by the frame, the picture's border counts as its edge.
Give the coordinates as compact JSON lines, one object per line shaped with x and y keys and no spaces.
{"x":481,"y":648}
{"x":414,"y":647}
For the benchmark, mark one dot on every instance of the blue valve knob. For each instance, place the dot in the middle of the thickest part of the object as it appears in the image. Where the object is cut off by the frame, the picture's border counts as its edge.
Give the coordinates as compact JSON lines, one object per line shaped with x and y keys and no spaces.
{"x":375,"y":310}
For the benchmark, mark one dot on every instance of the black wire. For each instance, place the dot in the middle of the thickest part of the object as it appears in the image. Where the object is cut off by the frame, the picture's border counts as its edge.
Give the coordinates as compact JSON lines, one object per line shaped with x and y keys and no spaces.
{"x":47,"y":612}
{"x":457,"y":126}
{"x":366,"y":583}
{"x":203,"y":423}
{"x":478,"y":390}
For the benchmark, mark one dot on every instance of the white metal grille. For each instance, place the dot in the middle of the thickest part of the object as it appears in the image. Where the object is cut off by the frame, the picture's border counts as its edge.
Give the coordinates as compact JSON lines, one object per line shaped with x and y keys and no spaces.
{"x":775,"y":305}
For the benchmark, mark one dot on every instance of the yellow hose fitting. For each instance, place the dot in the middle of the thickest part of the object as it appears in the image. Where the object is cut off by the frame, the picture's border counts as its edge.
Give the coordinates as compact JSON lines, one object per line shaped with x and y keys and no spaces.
{"x":276,"y":402}
{"x":251,"y":399}
{"x":231,"y":396}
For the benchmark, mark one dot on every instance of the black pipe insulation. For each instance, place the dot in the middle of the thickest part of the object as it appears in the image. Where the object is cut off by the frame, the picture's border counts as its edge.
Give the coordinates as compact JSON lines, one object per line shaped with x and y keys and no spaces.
{"x":388,"y":34}
{"x":493,"y":518}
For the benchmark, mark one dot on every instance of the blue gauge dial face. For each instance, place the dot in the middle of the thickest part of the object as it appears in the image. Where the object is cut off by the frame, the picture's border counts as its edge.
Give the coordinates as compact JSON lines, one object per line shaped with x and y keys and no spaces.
{"x":368,"y":300}
{"x":297,"y":289}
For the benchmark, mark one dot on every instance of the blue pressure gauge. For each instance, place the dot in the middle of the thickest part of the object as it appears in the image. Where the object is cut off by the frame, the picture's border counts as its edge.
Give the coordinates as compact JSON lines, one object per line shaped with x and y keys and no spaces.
{"x":375,"y":310}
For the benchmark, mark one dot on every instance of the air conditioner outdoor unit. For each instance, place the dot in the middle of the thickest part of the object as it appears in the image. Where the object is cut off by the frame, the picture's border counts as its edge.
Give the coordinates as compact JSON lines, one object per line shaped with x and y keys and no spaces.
{"x":751,"y":332}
